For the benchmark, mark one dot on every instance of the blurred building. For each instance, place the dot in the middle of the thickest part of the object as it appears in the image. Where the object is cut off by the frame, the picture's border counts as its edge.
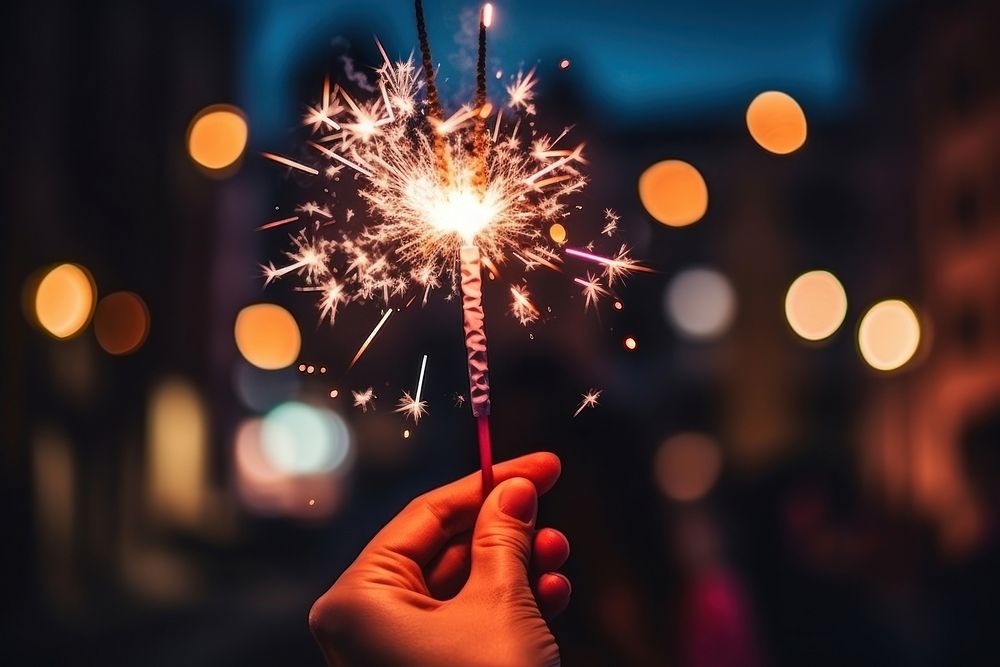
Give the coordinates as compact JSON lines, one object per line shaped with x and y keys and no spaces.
{"x":935,"y":64}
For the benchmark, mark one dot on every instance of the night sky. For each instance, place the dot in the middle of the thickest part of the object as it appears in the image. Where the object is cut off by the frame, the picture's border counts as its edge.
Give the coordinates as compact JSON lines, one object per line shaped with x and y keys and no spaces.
{"x":635,"y":61}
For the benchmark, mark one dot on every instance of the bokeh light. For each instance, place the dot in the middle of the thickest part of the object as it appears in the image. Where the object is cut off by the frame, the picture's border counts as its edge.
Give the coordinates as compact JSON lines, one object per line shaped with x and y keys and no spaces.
{"x":701,"y":303}
{"x":776,"y":122}
{"x":889,"y":334}
{"x":674,"y":193}
{"x":177,"y":452}
{"x":815,"y":305}
{"x":299,"y":439}
{"x":267,"y":336}
{"x":260,"y":390}
{"x":687,"y":465}
{"x":65,"y":299}
{"x":121,"y":323}
{"x":631,"y":343}
{"x":558,"y":233}
{"x":269,"y":491}
{"x":217,"y":136}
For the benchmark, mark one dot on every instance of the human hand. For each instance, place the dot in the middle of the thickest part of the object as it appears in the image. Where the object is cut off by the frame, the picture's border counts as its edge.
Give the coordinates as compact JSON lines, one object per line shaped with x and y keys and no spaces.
{"x":454,"y":580}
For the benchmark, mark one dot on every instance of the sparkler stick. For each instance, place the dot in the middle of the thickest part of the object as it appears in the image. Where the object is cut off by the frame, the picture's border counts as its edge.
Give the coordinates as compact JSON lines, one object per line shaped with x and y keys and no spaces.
{"x":485,"y":19}
{"x":473,"y":316}
{"x":433,"y":100}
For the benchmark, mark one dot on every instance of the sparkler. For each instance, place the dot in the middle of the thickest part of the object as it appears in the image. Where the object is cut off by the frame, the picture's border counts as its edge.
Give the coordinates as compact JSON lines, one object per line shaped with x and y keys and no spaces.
{"x":445,"y":195}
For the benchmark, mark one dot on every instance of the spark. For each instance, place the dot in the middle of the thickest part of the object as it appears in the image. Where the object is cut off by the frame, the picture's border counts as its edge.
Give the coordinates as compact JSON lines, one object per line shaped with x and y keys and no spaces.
{"x":456,"y":120}
{"x":322,"y":114}
{"x":308,"y":259}
{"x":277,"y":223}
{"x":340,"y":158}
{"x":290,"y":163}
{"x":589,"y":400}
{"x":611,"y":222}
{"x":365,"y":398}
{"x":312,"y":208}
{"x":521,"y":306}
{"x":333,"y":297}
{"x":521,"y":92}
{"x":371,"y":336}
{"x":592,"y":290}
{"x":615,"y":267}
{"x":412,"y":406}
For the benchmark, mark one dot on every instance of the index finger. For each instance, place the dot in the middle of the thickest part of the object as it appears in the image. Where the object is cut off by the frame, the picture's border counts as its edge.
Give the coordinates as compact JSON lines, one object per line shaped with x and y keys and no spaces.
{"x":422,"y":529}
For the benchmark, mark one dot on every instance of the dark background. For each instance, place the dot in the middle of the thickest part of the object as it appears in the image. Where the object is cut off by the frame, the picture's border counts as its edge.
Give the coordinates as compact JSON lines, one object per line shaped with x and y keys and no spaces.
{"x":854,"y":521}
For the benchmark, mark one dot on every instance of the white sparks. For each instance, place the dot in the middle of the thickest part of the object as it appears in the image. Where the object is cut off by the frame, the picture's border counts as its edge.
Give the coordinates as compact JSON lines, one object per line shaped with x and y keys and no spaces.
{"x":611,"y":222}
{"x":412,"y":406}
{"x":521,"y":306}
{"x":589,"y":400}
{"x":333,"y":296}
{"x":592,"y":290}
{"x":364,"y":399}
{"x":371,"y":336}
{"x":521,"y":92}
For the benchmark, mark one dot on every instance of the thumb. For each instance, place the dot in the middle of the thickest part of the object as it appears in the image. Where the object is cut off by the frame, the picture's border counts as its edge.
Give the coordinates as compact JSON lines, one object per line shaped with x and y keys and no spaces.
{"x":501,"y":540}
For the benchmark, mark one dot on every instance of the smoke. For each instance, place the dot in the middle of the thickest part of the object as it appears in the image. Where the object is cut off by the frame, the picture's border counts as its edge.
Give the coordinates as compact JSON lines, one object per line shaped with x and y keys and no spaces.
{"x":355,"y":75}
{"x":352,"y":73}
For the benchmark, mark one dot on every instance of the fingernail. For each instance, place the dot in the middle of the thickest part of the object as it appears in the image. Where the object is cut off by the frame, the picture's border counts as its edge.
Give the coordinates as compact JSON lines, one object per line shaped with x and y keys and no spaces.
{"x":519,"y":500}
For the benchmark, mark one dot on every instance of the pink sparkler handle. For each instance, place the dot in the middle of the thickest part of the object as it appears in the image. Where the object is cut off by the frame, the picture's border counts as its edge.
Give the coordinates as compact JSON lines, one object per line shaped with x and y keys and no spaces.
{"x":475,"y":348}
{"x":485,"y":452}
{"x":475,"y":334}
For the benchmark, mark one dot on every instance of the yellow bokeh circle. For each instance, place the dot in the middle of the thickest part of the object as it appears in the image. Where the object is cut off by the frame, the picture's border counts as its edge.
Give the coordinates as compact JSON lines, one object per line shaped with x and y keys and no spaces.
{"x":217,"y":136}
{"x":776,"y":122}
{"x":889,"y":335}
{"x":815,"y":305}
{"x":674,"y":193}
{"x":267,"y":336}
{"x":64,"y":300}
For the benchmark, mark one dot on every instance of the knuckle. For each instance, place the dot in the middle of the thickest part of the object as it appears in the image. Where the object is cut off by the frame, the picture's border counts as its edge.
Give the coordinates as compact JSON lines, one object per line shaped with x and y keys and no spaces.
{"x":508,"y":539}
{"x":330,"y":614}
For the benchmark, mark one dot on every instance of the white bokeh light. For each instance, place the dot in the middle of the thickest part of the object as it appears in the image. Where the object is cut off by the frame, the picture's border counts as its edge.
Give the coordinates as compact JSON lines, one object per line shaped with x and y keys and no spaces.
{"x":299,"y":439}
{"x":700,"y":303}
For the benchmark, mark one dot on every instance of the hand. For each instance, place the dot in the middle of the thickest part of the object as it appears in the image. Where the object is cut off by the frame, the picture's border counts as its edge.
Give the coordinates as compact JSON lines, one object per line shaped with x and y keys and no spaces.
{"x":454,"y":580}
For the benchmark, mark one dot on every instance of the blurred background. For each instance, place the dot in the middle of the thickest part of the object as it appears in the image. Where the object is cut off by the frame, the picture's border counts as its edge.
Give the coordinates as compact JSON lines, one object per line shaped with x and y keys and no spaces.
{"x":793,"y":456}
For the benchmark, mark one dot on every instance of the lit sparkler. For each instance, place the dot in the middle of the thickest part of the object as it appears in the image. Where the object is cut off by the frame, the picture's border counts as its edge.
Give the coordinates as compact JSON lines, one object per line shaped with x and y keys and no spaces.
{"x":446,"y":195}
